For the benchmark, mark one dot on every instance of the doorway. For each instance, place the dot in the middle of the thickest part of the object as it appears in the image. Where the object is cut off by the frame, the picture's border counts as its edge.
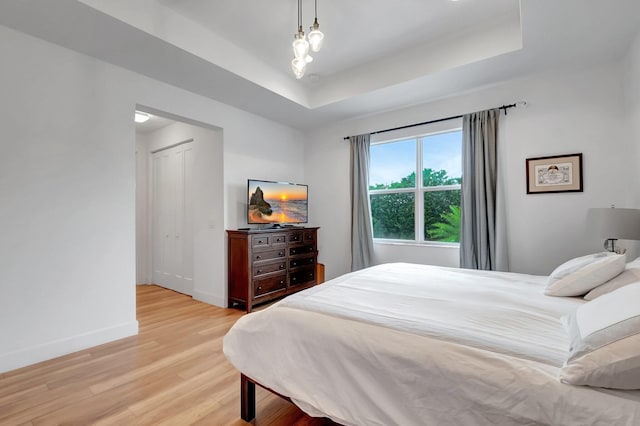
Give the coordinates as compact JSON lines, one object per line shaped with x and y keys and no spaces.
{"x":180,"y":208}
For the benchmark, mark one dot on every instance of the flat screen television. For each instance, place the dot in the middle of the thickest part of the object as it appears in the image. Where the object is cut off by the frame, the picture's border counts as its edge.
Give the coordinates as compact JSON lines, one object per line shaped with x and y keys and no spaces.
{"x":276,"y":203}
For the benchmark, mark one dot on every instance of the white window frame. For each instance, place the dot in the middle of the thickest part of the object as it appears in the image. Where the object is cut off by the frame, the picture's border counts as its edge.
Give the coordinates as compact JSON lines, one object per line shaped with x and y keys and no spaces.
{"x":417,"y":133}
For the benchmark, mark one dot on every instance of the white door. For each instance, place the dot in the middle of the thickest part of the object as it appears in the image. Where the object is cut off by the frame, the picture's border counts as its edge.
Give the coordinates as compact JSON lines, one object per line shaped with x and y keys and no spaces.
{"x":172,"y":218}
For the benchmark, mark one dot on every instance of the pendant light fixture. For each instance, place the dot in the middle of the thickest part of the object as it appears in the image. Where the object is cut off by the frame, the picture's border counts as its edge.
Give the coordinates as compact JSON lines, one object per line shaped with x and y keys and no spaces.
{"x":315,"y":35}
{"x":301,"y":46}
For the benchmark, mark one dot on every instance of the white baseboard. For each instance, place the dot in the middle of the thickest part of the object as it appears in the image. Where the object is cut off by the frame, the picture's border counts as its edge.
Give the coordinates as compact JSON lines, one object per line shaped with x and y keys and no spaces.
{"x":56,"y":348}
{"x":209,"y":298}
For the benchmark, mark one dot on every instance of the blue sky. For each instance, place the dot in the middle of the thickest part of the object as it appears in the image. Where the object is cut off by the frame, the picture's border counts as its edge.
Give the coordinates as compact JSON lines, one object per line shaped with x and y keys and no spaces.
{"x":393,"y":161}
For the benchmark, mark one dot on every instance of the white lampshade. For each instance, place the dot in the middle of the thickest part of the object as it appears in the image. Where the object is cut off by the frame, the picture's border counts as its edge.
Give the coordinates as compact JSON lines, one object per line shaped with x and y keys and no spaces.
{"x":298,"y":66}
{"x":315,"y":38}
{"x":300,"y":46}
{"x":615,"y":223}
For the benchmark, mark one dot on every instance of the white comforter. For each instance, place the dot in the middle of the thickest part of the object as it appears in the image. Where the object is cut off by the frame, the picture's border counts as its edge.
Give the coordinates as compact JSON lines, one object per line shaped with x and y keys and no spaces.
{"x":404,"y":344}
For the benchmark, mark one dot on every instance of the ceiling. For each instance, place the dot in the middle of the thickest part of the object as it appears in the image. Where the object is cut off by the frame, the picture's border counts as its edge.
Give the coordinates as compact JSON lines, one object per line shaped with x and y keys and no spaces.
{"x":378,"y":55}
{"x":155,"y":122}
{"x":355,"y":35}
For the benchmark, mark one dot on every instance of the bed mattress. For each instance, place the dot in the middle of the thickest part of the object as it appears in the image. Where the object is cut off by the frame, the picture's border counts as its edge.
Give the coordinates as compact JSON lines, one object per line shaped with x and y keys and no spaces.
{"x":413,"y":344}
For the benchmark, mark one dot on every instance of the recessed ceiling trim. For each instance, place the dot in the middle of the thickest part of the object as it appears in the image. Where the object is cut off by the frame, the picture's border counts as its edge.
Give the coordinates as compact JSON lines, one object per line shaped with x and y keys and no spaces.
{"x":163,"y":23}
{"x":447,"y":54}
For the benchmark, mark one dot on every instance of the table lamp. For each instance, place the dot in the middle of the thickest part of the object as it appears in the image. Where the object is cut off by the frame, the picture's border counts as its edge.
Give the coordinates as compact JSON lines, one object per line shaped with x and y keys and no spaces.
{"x":614,"y":223}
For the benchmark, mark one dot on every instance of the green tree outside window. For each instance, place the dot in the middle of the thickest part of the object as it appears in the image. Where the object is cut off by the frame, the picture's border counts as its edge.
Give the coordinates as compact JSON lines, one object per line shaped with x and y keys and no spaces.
{"x":415,"y":187}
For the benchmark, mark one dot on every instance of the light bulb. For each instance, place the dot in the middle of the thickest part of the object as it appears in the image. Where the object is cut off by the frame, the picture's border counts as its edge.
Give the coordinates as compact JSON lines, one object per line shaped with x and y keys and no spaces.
{"x":315,"y":36}
{"x":308,"y":59}
{"x":141,"y":117}
{"x":298,"y":66}
{"x":300,"y":46}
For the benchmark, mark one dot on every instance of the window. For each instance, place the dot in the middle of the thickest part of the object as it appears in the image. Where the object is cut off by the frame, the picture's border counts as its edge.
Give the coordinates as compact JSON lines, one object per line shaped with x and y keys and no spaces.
{"x":426,"y":209}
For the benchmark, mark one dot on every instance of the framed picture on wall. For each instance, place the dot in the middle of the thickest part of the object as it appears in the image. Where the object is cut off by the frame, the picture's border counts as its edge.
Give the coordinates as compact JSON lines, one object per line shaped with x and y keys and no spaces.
{"x":558,"y":173}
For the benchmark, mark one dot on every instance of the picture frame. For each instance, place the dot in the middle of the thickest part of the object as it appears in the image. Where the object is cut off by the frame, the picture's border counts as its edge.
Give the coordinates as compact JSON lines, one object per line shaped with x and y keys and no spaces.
{"x":557,"y":173}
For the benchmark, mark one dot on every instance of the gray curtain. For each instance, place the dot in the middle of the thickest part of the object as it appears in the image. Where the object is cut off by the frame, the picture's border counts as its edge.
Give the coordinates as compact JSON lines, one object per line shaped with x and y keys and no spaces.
{"x":361,"y":230}
{"x":482,"y":242}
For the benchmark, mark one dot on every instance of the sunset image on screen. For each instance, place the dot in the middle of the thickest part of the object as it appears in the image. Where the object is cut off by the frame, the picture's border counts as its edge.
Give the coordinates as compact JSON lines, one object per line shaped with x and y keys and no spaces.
{"x":277,"y":202}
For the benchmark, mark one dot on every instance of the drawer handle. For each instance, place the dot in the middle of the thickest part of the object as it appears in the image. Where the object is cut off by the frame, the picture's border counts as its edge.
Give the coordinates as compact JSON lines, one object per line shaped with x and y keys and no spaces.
{"x":281,"y":266}
{"x":259,"y":287}
{"x":280,"y":253}
{"x":293,"y":279}
{"x":310,"y":260}
{"x":260,"y":242}
{"x":295,"y":263}
{"x":258,"y":257}
{"x":259,"y":271}
{"x":281,"y":281}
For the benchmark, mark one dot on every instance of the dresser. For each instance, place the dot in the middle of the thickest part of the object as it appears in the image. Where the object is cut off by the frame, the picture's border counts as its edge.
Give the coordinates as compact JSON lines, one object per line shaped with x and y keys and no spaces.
{"x":270,"y":263}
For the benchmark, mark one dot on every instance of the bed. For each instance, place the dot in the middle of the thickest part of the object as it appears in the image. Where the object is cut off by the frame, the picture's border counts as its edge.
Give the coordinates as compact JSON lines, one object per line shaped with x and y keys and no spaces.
{"x":406,"y":344}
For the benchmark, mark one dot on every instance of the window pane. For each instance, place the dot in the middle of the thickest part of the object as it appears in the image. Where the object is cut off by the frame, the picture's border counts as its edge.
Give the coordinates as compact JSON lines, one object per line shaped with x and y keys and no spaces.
{"x":442,"y":159}
{"x":393,"y":216}
{"x":393,"y":165}
{"x":442,"y":216}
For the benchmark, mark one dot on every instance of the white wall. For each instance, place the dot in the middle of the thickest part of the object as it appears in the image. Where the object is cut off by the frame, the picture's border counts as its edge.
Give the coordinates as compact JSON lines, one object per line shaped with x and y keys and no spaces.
{"x":143,"y":272}
{"x":568,"y":112}
{"x":632,"y":115}
{"x":267,"y":153}
{"x":67,"y":191}
{"x":632,"y":103}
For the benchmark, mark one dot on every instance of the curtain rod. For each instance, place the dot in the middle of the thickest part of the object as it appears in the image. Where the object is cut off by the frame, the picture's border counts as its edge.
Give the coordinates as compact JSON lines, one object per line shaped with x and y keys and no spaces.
{"x":503,"y":107}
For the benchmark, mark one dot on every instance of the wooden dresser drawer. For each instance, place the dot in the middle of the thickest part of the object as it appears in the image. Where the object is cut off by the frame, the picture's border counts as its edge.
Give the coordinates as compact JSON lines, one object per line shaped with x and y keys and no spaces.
{"x":277,"y":239}
{"x":296,"y":237}
{"x":258,"y":241}
{"x":302,"y":261}
{"x":269,"y":285}
{"x":267,"y":268}
{"x":305,"y":249}
{"x":309,"y":237}
{"x":302,"y":276}
{"x":268,"y":255}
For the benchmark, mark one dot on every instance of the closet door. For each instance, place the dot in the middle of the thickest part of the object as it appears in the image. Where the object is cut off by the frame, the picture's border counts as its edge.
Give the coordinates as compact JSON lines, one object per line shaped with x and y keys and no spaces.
{"x":172,"y":217}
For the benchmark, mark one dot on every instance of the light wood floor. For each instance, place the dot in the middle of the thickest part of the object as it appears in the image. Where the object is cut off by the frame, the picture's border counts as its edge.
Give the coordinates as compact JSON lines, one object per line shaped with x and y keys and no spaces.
{"x":172,"y":373}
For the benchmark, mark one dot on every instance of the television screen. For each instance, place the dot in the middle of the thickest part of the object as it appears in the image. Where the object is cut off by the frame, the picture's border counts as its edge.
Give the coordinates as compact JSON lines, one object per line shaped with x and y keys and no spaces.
{"x":276,"y":202}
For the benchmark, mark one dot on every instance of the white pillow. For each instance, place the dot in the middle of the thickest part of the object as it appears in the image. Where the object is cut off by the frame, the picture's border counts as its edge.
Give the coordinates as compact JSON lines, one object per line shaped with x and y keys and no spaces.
{"x":605,"y":341}
{"x":628,"y":276}
{"x":577,"y":276}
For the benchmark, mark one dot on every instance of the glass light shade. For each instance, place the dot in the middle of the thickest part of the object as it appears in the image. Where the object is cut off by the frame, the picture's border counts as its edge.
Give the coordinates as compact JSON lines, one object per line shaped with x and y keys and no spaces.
{"x":298,"y":66}
{"x":141,"y":117}
{"x":315,"y":38}
{"x":300,"y":46}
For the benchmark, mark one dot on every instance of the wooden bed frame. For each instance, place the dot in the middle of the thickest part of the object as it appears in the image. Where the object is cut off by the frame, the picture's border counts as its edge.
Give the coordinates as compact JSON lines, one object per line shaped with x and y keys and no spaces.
{"x":248,"y":397}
